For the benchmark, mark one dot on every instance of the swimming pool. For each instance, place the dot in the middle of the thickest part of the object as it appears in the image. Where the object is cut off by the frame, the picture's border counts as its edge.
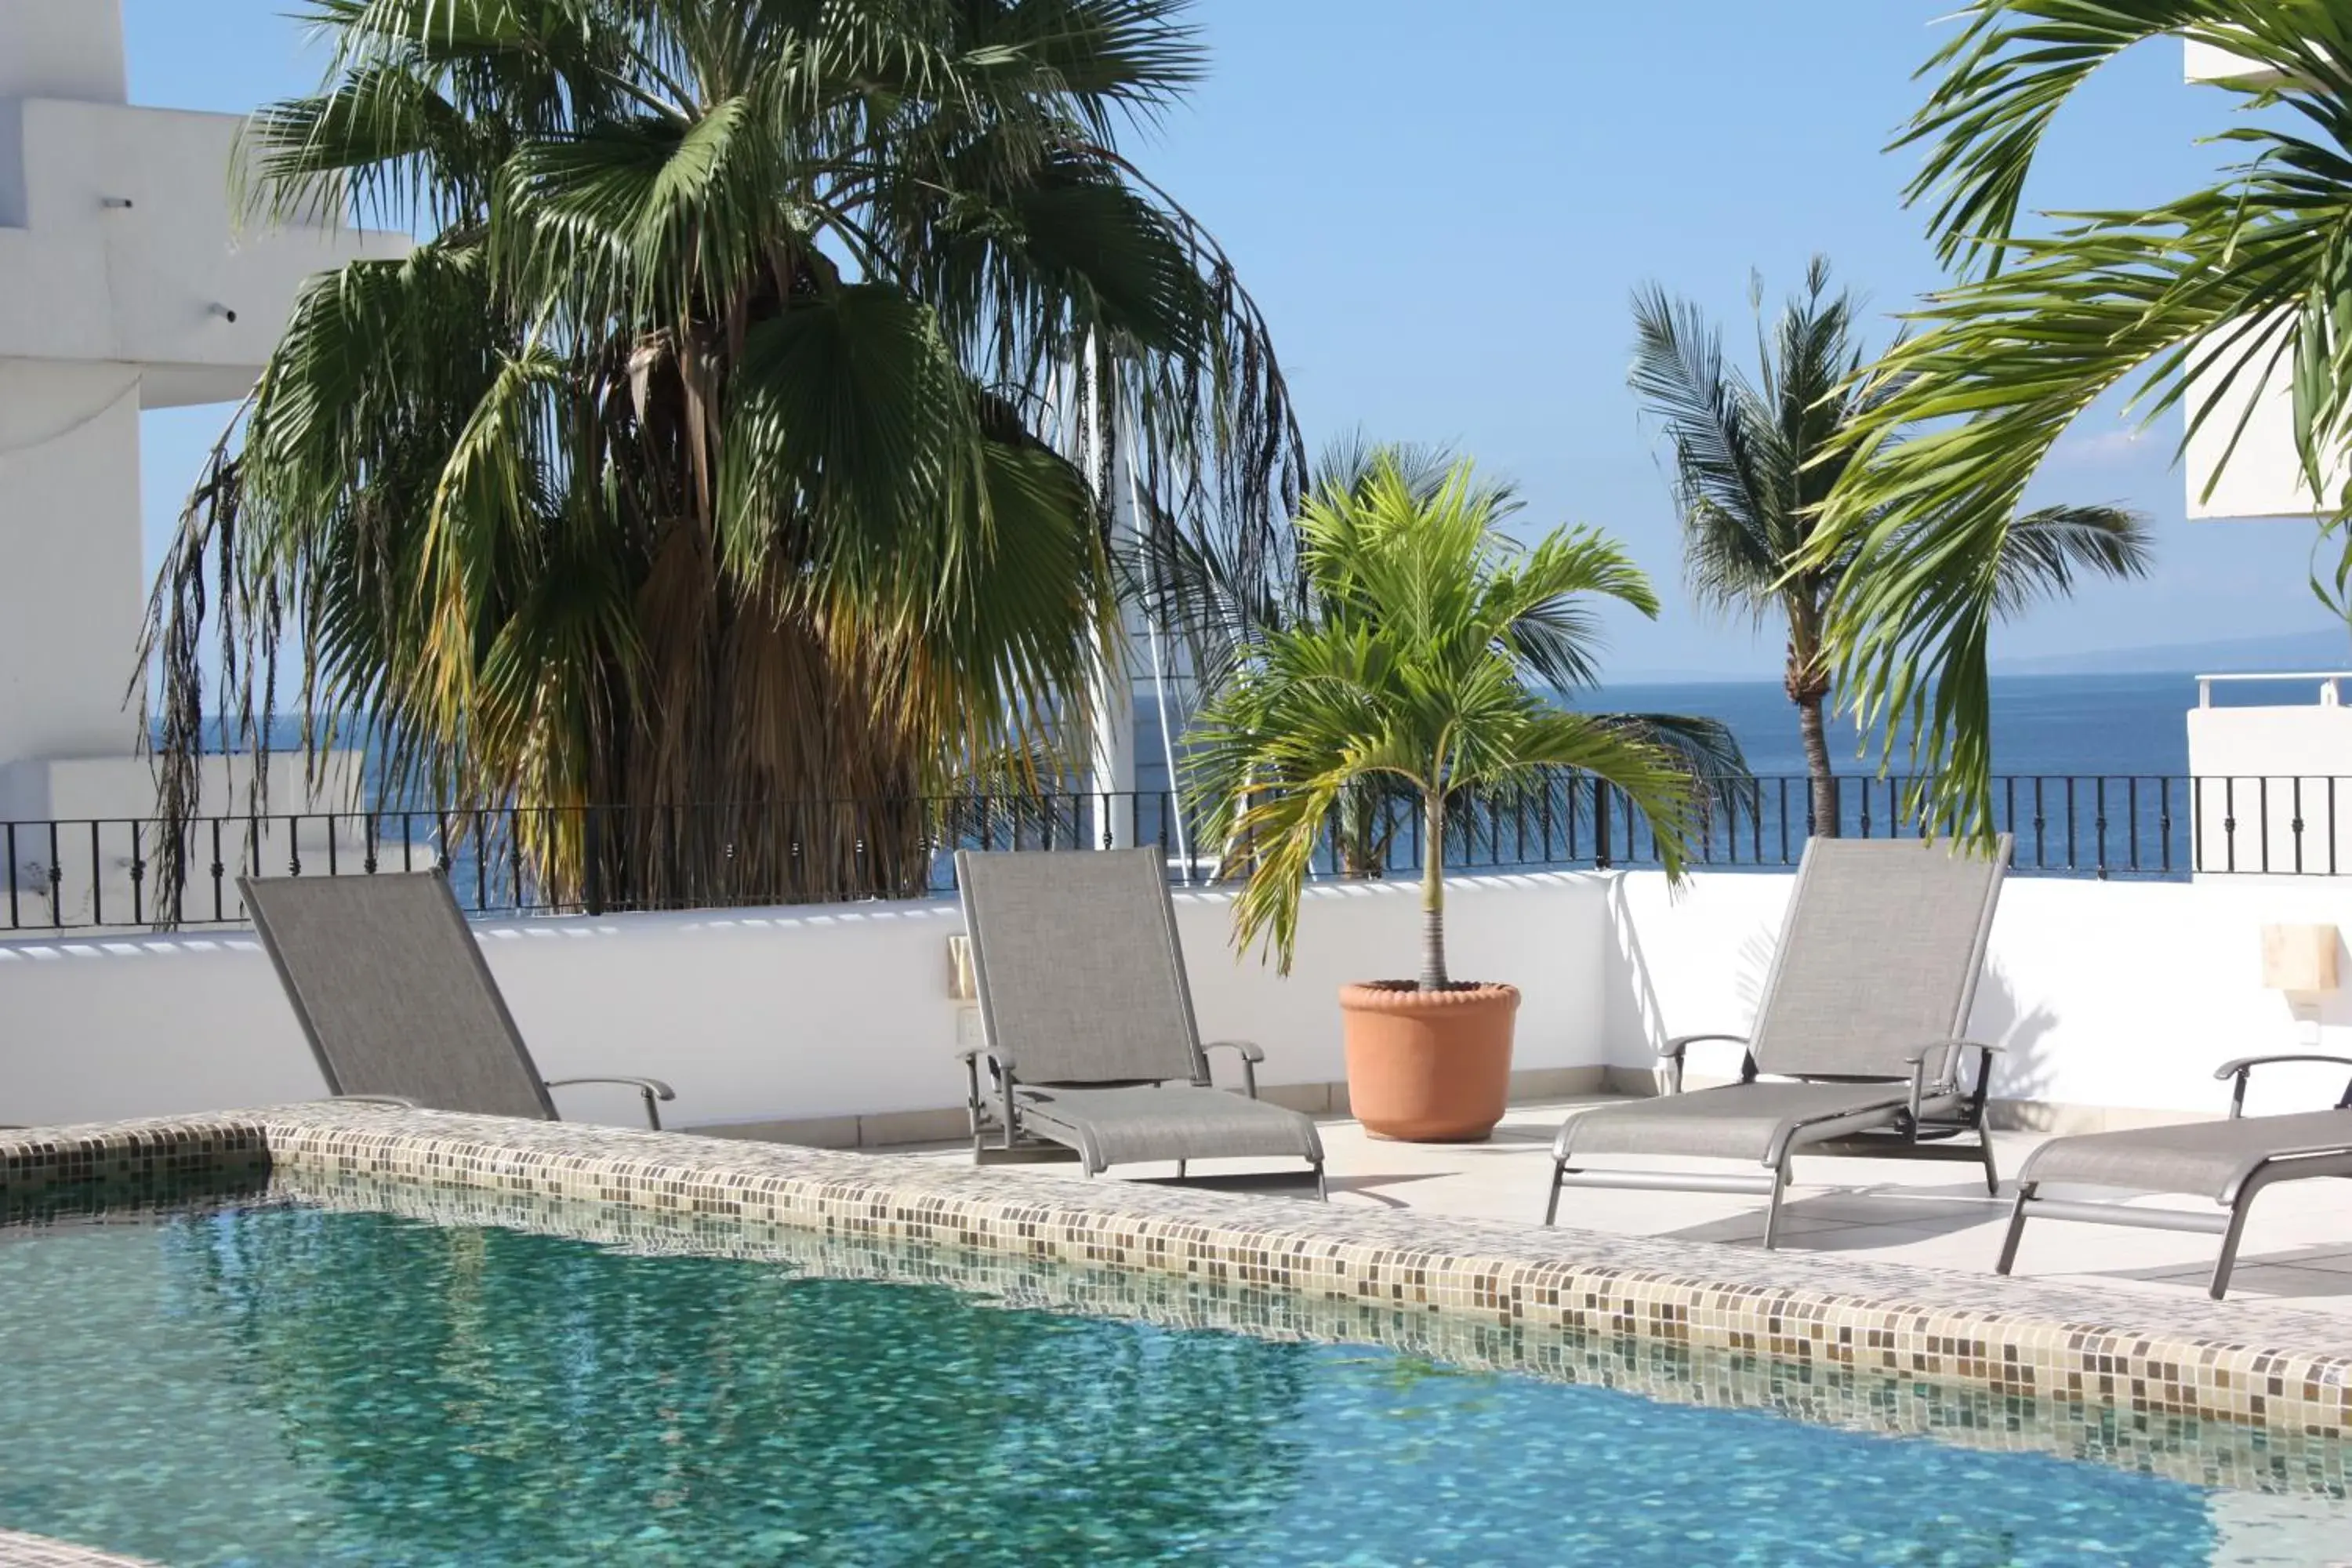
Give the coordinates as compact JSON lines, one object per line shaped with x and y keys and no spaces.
{"x":257,"y":1382}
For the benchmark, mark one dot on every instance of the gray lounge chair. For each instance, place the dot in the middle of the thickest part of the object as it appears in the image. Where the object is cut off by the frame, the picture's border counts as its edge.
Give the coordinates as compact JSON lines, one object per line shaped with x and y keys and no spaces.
{"x":2232,"y":1160}
{"x":1864,"y":1012}
{"x":396,"y":1000}
{"x":1091,"y":1041}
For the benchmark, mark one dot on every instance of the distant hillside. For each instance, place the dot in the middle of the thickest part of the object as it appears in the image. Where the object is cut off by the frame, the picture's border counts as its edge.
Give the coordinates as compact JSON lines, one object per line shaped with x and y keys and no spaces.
{"x":2295,"y":650}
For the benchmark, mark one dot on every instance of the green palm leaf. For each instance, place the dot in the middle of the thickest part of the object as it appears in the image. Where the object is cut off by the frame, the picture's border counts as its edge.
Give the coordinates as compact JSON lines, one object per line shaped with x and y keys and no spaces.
{"x":1760,"y":469}
{"x":2220,"y":289}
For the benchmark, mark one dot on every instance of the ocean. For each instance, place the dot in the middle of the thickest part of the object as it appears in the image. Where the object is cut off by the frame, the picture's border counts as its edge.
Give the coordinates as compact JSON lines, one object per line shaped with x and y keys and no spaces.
{"x":2041,"y":724}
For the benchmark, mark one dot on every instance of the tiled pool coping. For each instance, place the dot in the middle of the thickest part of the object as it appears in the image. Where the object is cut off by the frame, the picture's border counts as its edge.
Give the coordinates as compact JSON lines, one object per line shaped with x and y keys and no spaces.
{"x":2239,"y":1362}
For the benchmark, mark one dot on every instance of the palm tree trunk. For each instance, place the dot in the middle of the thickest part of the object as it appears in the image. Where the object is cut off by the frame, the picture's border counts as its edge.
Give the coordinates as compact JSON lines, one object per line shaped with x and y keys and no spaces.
{"x":1432,"y":893}
{"x":1807,"y":683}
{"x":1817,"y":765}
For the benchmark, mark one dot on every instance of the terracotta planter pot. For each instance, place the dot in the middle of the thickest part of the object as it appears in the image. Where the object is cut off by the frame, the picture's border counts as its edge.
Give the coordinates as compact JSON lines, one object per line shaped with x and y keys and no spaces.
{"x":1428,"y":1066}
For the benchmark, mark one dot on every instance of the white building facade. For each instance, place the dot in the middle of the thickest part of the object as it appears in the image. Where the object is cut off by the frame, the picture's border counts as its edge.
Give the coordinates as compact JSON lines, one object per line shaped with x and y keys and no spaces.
{"x":128,"y":282}
{"x":2267,"y":775}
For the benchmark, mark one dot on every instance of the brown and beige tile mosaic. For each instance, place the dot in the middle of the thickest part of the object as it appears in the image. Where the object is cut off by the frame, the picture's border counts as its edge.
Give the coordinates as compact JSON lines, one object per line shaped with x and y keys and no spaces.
{"x":1830,"y":1333}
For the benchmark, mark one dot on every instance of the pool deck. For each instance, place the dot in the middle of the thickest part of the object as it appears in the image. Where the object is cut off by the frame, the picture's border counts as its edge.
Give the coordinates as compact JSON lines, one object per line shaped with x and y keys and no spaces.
{"x":1929,"y":1215}
{"x":1847,"y":1308}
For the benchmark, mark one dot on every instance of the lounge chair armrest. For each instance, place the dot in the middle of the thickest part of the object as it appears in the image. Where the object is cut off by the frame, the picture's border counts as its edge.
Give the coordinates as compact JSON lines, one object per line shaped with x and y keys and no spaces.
{"x":1674,"y":1050}
{"x":1945,"y":1055}
{"x":1948,"y":1052}
{"x":1251,"y":1053}
{"x":2243,"y":1068}
{"x":2247,"y":1064}
{"x":653,"y":1088}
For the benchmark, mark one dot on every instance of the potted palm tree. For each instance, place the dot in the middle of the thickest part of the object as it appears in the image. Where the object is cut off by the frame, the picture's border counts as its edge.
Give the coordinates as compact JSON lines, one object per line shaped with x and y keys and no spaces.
{"x":1420,"y":670}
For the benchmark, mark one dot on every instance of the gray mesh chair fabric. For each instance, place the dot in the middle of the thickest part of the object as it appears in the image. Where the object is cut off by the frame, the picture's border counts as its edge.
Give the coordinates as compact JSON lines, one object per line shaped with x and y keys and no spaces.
{"x":1866,"y":1003}
{"x":394,"y":994}
{"x":1879,"y":955}
{"x":1128,"y":1126}
{"x":1091,"y":1040}
{"x":2231,"y":1161}
{"x":395,"y":999}
{"x":1091,"y":979}
{"x":1748,"y":1124}
{"x":2210,"y":1159}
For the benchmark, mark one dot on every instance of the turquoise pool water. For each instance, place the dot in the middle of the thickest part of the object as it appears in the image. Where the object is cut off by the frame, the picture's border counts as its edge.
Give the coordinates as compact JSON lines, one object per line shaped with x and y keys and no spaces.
{"x":272,"y":1384}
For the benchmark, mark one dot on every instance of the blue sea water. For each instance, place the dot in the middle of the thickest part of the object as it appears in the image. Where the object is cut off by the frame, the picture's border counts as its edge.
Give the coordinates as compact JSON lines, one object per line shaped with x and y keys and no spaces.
{"x":269,"y":1386}
{"x":2041,"y":724}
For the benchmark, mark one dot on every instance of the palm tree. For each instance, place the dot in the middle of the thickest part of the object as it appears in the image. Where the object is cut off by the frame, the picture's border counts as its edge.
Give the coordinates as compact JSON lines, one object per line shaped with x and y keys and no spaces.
{"x":1219,"y":614}
{"x":2218,"y":289}
{"x":1755,"y":460}
{"x":719,"y":454}
{"x":1431,"y":625}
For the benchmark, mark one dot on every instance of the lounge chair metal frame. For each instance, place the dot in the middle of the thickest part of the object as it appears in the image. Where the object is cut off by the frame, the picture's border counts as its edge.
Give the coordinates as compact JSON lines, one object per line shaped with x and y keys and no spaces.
{"x":1000,"y":1131}
{"x":2235,"y":1200}
{"x":651,"y":1090}
{"x":1924,"y":1128}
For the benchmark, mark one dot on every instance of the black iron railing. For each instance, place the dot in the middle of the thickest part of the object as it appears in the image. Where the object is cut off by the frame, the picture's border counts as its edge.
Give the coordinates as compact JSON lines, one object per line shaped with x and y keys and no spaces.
{"x":113,"y":874}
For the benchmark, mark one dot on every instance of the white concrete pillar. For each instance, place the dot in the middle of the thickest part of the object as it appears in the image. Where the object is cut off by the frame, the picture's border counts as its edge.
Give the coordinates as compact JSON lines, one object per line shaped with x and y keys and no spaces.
{"x":1111,"y":696}
{"x":70,"y":569}
{"x":127,"y":282}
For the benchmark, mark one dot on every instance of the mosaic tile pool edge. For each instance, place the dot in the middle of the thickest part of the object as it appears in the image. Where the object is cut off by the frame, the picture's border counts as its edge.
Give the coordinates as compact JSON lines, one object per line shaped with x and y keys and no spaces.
{"x":2239,"y":1360}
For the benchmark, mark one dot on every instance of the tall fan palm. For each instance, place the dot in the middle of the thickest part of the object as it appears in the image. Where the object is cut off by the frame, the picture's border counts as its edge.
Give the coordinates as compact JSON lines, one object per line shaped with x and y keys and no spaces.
{"x":2217,"y":289}
{"x":1755,"y":460}
{"x":1417,"y":669}
{"x":697,"y":463}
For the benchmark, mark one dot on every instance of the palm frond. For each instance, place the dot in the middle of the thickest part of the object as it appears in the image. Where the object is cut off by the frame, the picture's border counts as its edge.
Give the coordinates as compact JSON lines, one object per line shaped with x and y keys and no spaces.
{"x":703,"y":454}
{"x":2190,"y":303}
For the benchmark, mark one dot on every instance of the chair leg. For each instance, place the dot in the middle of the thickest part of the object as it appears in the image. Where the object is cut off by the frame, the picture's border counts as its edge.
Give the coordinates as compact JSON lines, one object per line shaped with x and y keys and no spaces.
{"x":1551,"y":1207}
{"x":1179,"y":1169}
{"x":2230,"y":1238}
{"x":1773,"y":1208}
{"x":1322,"y":1186}
{"x":2016,"y":1230}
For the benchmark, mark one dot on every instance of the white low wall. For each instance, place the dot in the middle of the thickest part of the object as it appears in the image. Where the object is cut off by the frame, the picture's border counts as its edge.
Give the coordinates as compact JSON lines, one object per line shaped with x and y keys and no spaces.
{"x":758,"y":1016}
{"x":2116,"y":995}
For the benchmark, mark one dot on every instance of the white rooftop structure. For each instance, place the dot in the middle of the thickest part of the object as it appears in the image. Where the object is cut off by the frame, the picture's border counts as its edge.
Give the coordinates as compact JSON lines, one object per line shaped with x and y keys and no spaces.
{"x":2264,"y":478}
{"x":127,"y":282}
{"x":2271,"y":770}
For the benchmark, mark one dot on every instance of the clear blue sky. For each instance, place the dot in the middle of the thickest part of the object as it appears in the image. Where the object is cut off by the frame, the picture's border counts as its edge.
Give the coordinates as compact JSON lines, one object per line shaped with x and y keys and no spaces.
{"x":1443,"y":211}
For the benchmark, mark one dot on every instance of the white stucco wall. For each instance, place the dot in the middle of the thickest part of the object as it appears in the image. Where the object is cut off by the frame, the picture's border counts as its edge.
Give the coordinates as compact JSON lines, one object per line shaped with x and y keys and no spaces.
{"x":2116,"y":996}
{"x":757,"y":1015}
